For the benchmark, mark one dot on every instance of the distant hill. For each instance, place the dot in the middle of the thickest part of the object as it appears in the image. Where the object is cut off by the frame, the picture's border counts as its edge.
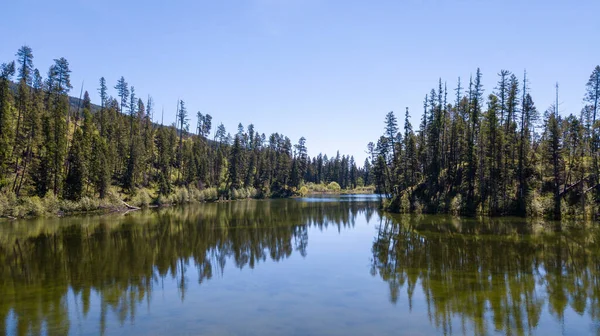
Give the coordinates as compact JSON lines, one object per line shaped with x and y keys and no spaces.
{"x":74,"y":102}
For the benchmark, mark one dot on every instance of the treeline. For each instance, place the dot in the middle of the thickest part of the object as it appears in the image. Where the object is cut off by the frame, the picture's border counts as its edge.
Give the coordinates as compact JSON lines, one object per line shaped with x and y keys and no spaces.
{"x":494,"y":156}
{"x":48,"y":146}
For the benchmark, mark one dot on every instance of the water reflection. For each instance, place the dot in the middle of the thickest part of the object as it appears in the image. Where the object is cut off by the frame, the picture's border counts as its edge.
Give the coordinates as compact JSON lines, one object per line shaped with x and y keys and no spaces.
{"x":455,"y":275}
{"x":51,"y":270}
{"x":487,"y":274}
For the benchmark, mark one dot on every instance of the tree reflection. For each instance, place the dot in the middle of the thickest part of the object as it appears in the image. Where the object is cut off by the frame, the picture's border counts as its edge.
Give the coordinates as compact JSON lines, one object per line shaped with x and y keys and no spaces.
{"x":113,"y":263}
{"x":474,"y":276}
{"x":489,"y":271}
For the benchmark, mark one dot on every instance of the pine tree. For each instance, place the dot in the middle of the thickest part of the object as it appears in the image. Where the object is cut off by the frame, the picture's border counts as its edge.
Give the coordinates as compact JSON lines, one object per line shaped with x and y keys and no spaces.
{"x":528,"y":109}
{"x":75,"y":181}
{"x":59,"y":84}
{"x":555,"y":159}
{"x":7,"y":70}
{"x":103,"y":100}
{"x":592,"y":94}
{"x":25,"y":72}
{"x":135,"y":157}
{"x":391,"y":130}
{"x":32,"y":122}
{"x":302,"y":157}
{"x":471,"y":156}
{"x":122,"y":92}
{"x":183,"y":127}
{"x":164,"y":153}
{"x":99,"y":169}
{"x":133,"y":104}
{"x":236,"y":163}
{"x":493,"y":155}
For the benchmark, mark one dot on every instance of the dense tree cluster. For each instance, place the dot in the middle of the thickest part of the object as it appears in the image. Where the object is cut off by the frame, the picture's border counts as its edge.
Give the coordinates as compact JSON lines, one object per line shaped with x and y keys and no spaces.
{"x":51,"y":143}
{"x":496,"y":156}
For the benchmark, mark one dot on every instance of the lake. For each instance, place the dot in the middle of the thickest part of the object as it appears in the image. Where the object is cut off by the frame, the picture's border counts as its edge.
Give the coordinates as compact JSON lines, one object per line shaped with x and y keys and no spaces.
{"x":310,"y":266}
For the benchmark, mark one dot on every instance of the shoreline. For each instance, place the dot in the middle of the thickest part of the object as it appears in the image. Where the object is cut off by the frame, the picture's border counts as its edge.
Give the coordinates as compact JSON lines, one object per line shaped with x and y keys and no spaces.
{"x":51,"y":207}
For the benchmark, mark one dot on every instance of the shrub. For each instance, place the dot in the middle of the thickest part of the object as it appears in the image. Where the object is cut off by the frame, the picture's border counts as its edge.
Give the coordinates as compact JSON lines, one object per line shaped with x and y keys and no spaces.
{"x":88,"y":204}
{"x":210,"y":194}
{"x":264,"y":192}
{"x":51,"y":203}
{"x":334,"y":186}
{"x":29,"y":207}
{"x":196,"y":195}
{"x":360,"y":182}
{"x":142,"y":198}
{"x":456,"y":205}
{"x":244,"y":193}
{"x":535,"y":205}
{"x":7,"y":203}
{"x":161,"y":200}
{"x":303,"y":191}
{"x":182,"y":196}
{"x":405,"y":203}
{"x":418,"y":207}
{"x":321,"y":187}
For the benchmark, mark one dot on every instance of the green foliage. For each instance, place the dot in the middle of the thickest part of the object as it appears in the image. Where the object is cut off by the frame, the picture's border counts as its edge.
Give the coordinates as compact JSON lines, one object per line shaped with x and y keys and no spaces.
{"x":244,"y":193}
{"x":492,"y":156}
{"x":77,"y":172}
{"x":405,"y":203}
{"x":456,"y":205}
{"x":51,"y":143}
{"x":303,"y":191}
{"x":318,"y":188}
{"x":360,"y":182}
{"x":142,"y":198}
{"x":333,"y":186}
{"x":50,"y":205}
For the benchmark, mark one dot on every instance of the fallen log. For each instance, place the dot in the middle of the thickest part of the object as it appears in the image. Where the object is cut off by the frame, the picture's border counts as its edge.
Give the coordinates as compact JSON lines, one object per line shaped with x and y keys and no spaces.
{"x":568,"y":188}
{"x":130,"y":207}
{"x":591,"y":188}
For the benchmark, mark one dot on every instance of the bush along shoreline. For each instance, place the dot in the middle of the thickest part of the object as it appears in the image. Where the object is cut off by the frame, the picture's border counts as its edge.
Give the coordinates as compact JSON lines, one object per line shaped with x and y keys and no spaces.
{"x":333,"y":188}
{"x":12,"y":207}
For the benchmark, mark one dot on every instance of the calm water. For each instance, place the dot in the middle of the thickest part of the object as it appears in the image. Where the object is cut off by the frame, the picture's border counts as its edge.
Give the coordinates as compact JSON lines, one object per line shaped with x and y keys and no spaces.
{"x":317,"y":266}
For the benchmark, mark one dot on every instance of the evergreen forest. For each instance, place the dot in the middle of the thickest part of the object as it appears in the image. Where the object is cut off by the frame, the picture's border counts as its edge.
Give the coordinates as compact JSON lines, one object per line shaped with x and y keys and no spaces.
{"x":496,"y":155}
{"x":472,"y":154}
{"x":63,"y":154}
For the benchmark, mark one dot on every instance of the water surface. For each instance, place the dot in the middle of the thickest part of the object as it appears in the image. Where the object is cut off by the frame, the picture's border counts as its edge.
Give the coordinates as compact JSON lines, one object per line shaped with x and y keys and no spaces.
{"x":313,"y":266}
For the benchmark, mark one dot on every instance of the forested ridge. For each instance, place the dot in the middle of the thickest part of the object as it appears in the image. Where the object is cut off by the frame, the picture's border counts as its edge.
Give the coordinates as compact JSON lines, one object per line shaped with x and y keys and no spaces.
{"x":59,"y":153}
{"x":494,"y":155}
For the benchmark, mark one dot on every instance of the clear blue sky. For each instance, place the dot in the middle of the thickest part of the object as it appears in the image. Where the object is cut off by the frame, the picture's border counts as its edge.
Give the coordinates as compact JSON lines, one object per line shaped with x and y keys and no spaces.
{"x":326,"y":70}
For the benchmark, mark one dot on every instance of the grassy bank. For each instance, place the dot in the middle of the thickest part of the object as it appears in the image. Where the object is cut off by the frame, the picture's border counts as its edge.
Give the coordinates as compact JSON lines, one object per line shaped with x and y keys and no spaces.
{"x":13,"y":207}
{"x":333,"y":188}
